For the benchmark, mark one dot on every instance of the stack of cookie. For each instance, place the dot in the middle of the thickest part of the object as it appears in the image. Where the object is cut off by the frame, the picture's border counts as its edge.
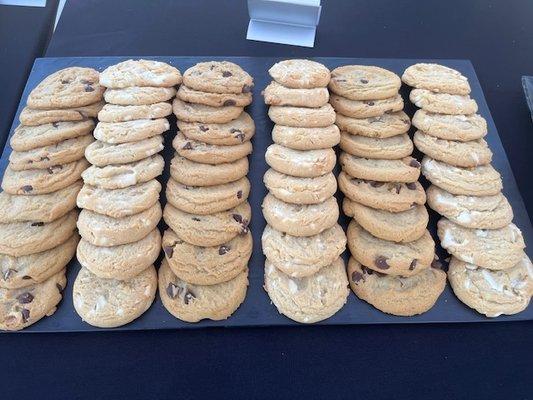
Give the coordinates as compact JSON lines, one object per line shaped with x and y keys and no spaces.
{"x":489,"y":270}
{"x":38,"y":220}
{"x":392,"y":251}
{"x":304,"y":274}
{"x":120,"y":197}
{"x":208,"y":243}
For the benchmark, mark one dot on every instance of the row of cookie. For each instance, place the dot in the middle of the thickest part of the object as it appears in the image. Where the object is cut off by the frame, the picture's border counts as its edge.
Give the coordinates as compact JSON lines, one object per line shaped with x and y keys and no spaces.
{"x":392,"y":251}
{"x":489,"y":270}
{"x":38,"y":221}
{"x":304,"y":275}
{"x":208,"y":243}
{"x":120,"y":196}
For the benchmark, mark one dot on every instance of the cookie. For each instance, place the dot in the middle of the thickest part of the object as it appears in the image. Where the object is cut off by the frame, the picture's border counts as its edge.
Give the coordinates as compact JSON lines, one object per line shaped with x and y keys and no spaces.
{"x":43,"y":181}
{"x":209,"y":230}
{"x":388,"y":196}
{"x":140,"y":73}
{"x":23,"y":307}
{"x":495,"y":249}
{"x":304,"y":164}
{"x":31,"y":137}
{"x":106,"y":231}
{"x":279,"y":95}
{"x":404,"y":259}
{"x":308,"y":299}
{"x":300,"y":220}
{"x":392,"y":148}
{"x":205,"y":200}
{"x":404,"y":226}
{"x":297,"y":190}
{"x":22,"y":238}
{"x":361,"y":82}
{"x":218,"y":77}
{"x":31,"y":269}
{"x":300,"y":74}
{"x":207,"y":265}
{"x":405,"y":170}
{"x":124,"y":175}
{"x":192,"y":303}
{"x":462,"y":128}
{"x":299,"y":256}
{"x":437,"y":78}
{"x":302,"y":117}
{"x":138,"y":95}
{"x":118,"y":203}
{"x":209,"y":153}
{"x":383,"y":126}
{"x":49,"y":156}
{"x":214,"y":99}
{"x":31,"y":117}
{"x":483,"y":180}
{"x":232,"y":133}
{"x":38,"y":208}
{"x":306,"y":138}
{"x":492,"y":293}
{"x":108,"y":303}
{"x":460,"y":154}
{"x":191,"y":112}
{"x":476,"y":212}
{"x":443,"y":103}
{"x":130,"y":131}
{"x":191,"y":173}
{"x":121,"y":262}
{"x":67,"y":88}
{"x":115,"y":113}
{"x":366,"y":108}
{"x":397,"y":295}
{"x":101,"y":153}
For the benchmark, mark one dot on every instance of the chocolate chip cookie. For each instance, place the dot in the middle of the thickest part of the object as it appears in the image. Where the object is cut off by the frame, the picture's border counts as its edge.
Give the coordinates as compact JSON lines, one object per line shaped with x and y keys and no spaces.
{"x":383,"y":126}
{"x":218,"y":77}
{"x":300,"y":74}
{"x":366,"y":108}
{"x":279,"y":95}
{"x":362,"y":82}
{"x":296,"y":190}
{"x":392,"y":148}
{"x":406,"y":170}
{"x":299,"y":138}
{"x":189,"y":95}
{"x":34,"y":117}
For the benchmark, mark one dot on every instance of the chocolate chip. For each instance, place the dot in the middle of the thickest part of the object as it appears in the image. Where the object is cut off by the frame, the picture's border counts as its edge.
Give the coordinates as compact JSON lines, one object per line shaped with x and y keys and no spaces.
{"x":226,"y":74}
{"x":55,"y":124}
{"x":247,"y":88}
{"x":25,"y":298}
{"x":398,"y":188}
{"x":8,"y":273}
{"x":411,"y":186}
{"x":238,"y":218}
{"x":223,"y":250}
{"x":204,"y":128}
{"x":381,"y":262}
{"x":413,"y":163}
{"x":25,"y":315}
{"x":172,"y":290}
{"x":436,"y":264}
{"x":196,"y":219}
{"x":229,"y":103}
{"x":189,"y":295}
{"x":187,"y":146}
{"x":243,"y":222}
{"x":369,"y":103}
{"x":88,"y":88}
{"x":65,"y":81}
{"x":59,"y":287}
{"x":376,"y":184}
{"x":356,"y":276}
{"x":26,"y":277}
{"x":239,"y":194}
{"x":412,"y":266}
{"x":45,"y":158}
{"x":169,"y":251}
{"x":37,"y":224}
{"x":27,"y":188}
{"x":240,"y":136}
{"x":363,"y":81}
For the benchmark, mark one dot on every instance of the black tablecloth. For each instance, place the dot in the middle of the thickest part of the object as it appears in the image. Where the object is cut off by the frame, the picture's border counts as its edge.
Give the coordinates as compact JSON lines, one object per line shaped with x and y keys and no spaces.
{"x":486,"y":361}
{"x":24,"y":33}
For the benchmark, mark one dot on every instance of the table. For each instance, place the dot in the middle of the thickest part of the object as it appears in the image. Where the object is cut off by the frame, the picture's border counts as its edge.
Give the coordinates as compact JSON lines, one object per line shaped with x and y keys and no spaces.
{"x":432,"y":361}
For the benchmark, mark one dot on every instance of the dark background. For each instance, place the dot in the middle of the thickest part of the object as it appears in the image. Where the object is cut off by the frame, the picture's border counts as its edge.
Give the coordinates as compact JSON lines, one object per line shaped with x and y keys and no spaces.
{"x":485,"y":361}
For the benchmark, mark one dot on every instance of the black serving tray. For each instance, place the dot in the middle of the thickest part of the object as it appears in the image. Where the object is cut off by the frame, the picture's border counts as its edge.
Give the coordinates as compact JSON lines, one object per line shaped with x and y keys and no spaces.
{"x":257,"y":309}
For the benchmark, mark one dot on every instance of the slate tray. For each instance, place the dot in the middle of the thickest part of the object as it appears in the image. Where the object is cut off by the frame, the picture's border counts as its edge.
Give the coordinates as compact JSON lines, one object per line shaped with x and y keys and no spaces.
{"x":257,"y":309}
